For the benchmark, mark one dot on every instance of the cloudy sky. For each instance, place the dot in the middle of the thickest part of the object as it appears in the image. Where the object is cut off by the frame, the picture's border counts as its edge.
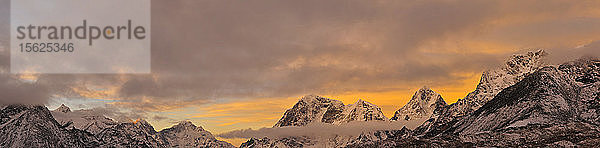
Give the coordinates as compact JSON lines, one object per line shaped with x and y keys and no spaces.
{"x":229,"y":65}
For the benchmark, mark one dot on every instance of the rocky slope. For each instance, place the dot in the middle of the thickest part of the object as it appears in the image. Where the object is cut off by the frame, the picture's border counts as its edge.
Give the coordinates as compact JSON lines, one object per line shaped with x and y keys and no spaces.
{"x":494,"y":81}
{"x":491,"y":83}
{"x":542,"y":110}
{"x":421,"y":105}
{"x":34,"y":126}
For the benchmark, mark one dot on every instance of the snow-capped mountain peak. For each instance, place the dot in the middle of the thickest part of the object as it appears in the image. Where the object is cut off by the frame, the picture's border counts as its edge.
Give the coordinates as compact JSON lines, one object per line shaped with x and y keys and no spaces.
{"x":421,"y":105}
{"x":86,"y":120}
{"x":186,"y":134}
{"x":493,"y":81}
{"x":361,"y":111}
{"x":517,"y":67}
{"x":313,"y":99}
{"x":311,"y":108}
{"x":186,"y":124}
{"x":63,"y":108}
{"x":364,"y":103}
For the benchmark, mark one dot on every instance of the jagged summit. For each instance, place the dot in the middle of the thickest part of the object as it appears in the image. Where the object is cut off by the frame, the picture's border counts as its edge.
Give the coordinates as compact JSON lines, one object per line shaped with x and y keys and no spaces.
{"x":361,"y":102}
{"x":186,"y":134}
{"x":312,"y":98}
{"x":361,"y":111}
{"x":517,"y":67}
{"x":186,"y":124}
{"x":313,"y":108}
{"x":87,"y":120}
{"x":421,"y":105}
{"x":552,"y":106}
{"x":493,"y":81}
{"x":63,"y":108}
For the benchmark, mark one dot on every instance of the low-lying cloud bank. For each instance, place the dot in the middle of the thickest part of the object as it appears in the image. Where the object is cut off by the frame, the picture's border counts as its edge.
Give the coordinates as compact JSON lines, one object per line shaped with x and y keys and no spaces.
{"x":322,"y":129}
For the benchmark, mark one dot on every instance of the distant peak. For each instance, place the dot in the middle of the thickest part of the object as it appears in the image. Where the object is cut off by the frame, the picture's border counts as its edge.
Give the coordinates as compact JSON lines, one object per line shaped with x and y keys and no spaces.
{"x":424,"y":92}
{"x":531,"y":59}
{"x":63,"y":108}
{"x":186,"y":123}
{"x":363,"y":102}
{"x":533,"y":52}
{"x":422,"y":104}
{"x":309,"y":98}
{"x":538,"y":52}
{"x":360,"y":101}
{"x":425,"y":88}
{"x":314,"y":99}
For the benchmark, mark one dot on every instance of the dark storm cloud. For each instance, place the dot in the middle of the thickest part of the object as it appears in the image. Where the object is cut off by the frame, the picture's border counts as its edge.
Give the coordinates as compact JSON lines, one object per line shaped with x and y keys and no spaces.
{"x":223,"y":45}
{"x":206,"y":50}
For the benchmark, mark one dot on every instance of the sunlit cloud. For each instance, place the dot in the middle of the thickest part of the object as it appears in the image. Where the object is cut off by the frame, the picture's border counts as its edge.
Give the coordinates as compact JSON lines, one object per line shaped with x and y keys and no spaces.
{"x":28,"y":76}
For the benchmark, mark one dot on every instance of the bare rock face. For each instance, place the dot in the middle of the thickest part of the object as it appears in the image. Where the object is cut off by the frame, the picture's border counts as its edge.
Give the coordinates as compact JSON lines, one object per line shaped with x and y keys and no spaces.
{"x":422,"y":105}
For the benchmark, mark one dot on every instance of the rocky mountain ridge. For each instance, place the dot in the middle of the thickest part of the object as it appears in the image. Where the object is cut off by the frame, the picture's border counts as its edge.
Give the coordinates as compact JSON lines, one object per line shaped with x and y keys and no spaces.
{"x":422,"y":105}
{"x":35,"y":126}
{"x":555,"y":106}
{"x":522,"y":104}
{"x":312,"y":108}
{"x":517,"y":67}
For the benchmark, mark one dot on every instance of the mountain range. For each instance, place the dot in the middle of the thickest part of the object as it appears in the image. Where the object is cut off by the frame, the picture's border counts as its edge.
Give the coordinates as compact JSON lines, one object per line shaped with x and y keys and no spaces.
{"x":36,"y":126}
{"x":523,"y":103}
